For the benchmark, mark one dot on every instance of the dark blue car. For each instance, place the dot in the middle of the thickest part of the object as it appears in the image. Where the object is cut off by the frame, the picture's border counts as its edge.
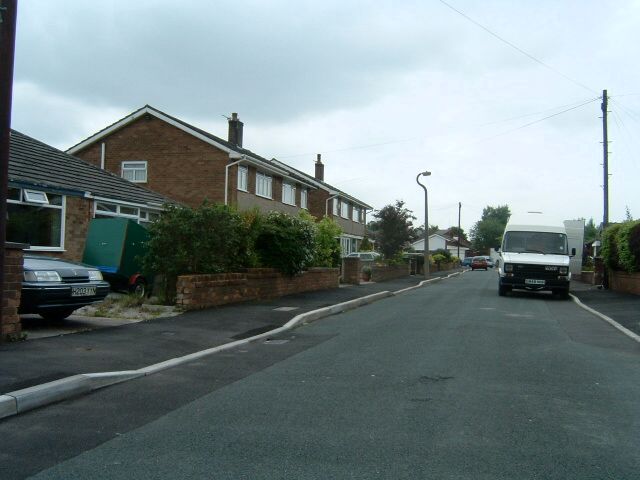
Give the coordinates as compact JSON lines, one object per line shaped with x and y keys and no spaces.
{"x":54,"y":288}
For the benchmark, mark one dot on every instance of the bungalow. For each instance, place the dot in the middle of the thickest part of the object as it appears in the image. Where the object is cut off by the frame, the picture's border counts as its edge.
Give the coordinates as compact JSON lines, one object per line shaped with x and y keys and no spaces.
{"x":189,"y":165}
{"x":53,"y":196}
{"x":444,"y":240}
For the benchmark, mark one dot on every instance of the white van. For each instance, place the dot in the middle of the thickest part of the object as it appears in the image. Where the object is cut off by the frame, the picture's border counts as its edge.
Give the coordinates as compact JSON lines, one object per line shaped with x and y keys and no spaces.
{"x":534,"y":255}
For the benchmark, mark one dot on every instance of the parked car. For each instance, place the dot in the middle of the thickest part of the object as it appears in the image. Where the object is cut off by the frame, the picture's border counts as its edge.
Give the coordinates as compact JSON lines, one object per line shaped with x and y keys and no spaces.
{"x":365,"y":256}
{"x":54,"y":288}
{"x":466,"y":262}
{"x":479,"y":262}
{"x":489,"y":261}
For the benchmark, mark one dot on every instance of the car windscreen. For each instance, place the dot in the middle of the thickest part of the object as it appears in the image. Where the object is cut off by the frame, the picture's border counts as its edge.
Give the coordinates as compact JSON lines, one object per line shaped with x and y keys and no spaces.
{"x":535,"y":242}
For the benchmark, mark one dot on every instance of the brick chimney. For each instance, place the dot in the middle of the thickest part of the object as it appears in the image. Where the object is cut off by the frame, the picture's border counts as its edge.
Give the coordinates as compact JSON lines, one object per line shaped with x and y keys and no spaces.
{"x":319,"y":169}
{"x":235,"y":130}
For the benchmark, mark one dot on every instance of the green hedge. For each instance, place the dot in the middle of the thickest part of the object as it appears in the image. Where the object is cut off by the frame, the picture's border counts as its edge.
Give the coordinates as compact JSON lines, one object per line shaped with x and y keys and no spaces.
{"x":621,"y":246}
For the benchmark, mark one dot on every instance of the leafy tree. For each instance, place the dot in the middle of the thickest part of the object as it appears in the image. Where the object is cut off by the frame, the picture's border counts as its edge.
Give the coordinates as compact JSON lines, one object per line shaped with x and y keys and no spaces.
{"x":627,"y":214}
{"x":458,"y":232}
{"x":590,"y":231}
{"x":487,"y":232}
{"x":286,"y":243}
{"x":393,"y":228}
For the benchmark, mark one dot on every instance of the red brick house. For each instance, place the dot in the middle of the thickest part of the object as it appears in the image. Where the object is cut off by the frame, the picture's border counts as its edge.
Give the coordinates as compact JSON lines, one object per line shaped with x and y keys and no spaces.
{"x":53,"y":196}
{"x":189,"y":165}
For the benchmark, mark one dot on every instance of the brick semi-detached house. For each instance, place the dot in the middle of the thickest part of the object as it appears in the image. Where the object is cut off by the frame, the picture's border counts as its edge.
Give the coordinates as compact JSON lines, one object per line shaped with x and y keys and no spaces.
{"x":189,"y":165}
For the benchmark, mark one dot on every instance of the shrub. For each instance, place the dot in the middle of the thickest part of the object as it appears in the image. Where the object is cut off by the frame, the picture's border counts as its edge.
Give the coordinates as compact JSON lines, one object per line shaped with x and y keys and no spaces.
{"x":286,"y":243}
{"x":327,"y":250}
{"x":609,"y":247}
{"x":209,"y":239}
{"x":627,"y":260}
{"x":443,"y":252}
{"x":439,"y":259}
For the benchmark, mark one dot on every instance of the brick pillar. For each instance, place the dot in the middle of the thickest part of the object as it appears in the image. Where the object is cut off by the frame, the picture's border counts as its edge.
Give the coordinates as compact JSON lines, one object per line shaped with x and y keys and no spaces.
{"x":351,"y":270}
{"x":10,"y":326}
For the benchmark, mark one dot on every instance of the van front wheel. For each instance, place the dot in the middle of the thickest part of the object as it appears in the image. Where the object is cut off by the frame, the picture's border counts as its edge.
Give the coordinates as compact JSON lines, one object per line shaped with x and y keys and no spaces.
{"x":503,"y":289}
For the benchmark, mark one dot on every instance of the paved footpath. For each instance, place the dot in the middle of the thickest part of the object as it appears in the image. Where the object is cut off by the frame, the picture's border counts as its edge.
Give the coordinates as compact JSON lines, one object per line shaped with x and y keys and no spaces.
{"x":137,"y":345}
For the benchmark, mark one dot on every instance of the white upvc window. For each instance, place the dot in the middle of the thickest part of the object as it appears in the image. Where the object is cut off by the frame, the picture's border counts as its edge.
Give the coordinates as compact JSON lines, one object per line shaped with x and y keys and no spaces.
{"x":288,"y":193}
{"x":243,"y":178}
{"x":106,"y":209}
{"x":335,"y":202}
{"x":344,"y":209}
{"x":36,"y":218}
{"x":263,"y":185}
{"x":303,"y":197}
{"x":355,"y":215}
{"x":135,"y":171}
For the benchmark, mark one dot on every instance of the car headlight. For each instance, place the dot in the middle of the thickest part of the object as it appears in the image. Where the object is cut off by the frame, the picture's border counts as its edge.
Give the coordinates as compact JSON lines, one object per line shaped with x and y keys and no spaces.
{"x":95,"y":275}
{"x":508,"y":267}
{"x":42,"y":276}
{"x":563,"y":270}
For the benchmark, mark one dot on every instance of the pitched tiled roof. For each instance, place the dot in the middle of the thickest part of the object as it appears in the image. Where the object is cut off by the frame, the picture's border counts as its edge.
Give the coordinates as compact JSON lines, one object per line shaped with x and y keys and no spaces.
{"x":33,"y":163}
{"x":224,"y":144}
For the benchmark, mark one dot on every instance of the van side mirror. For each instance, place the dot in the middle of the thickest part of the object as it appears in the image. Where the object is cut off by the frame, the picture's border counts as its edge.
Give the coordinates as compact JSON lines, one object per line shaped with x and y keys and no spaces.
{"x":573,"y":252}
{"x":497,"y":249}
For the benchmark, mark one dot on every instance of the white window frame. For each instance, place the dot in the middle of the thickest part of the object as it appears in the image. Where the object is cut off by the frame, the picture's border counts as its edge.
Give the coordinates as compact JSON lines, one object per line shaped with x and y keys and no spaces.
{"x":243,"y":178}
{"x":264,"y":185}
{"x":134,"y":167}
{"x":304,"y":198}
{"x":35,"y":196}
{"x":143,"y":216}
{"x":344,"y":210}
{"x":288,"y":193}
{"x":335,"y":206}
{"x":32,"y":202}
{"x":355,"y":214}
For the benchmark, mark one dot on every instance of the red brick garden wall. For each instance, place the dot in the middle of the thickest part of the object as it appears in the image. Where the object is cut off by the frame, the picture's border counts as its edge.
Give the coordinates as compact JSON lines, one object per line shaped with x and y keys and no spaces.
{"x":203,"y":291}
{"x":624,"y":282}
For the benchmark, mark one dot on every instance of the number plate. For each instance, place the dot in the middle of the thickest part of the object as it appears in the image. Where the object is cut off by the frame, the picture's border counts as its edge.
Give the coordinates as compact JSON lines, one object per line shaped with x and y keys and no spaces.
{"x":83,"y":291}
{"x":534,"y":281}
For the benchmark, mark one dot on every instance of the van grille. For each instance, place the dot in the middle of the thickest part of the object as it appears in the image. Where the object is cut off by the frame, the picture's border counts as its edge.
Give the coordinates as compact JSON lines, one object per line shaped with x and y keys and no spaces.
{"x":535,"y":271}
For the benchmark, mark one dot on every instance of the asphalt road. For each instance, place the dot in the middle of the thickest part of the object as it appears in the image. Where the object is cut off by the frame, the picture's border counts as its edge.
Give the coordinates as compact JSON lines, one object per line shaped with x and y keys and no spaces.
{"x":448,"y":381}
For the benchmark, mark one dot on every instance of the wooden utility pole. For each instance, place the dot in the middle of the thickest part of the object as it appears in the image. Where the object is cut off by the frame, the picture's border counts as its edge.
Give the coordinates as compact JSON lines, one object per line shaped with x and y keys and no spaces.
{"x":8,"y":14}
{"x":605,"y":163}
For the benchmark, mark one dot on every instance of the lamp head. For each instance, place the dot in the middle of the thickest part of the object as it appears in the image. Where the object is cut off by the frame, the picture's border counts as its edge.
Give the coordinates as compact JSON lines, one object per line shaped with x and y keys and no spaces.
{"x":425,"y":173}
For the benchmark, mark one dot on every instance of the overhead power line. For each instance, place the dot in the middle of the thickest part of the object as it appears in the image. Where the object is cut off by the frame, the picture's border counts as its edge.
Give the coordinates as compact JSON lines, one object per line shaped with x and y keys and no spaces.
{"x":515,"y":47}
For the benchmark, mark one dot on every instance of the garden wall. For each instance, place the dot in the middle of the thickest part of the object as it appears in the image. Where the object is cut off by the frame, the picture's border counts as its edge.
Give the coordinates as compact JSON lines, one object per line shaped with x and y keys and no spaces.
{"x":195,"y":292}
{"x":380,"y":273}
{"x":624,"y":282}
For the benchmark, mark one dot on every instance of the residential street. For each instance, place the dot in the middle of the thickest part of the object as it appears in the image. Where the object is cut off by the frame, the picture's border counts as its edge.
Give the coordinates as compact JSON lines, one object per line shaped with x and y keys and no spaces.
{"x":445,"y":381}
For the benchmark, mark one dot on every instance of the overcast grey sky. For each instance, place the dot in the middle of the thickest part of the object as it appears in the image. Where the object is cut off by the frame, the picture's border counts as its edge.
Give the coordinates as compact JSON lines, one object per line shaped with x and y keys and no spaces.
{"x":382,"y":89}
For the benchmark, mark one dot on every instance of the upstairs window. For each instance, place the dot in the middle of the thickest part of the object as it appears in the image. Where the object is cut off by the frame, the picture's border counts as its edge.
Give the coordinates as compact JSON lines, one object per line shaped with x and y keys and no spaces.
{"x":303,"y":198}
{"x":288,"y":194}
{"x":355,"y":215}
{"x":243,"y":178}
{"x":335,"y":206}
{"x":263,"y":185}
{"x":344,"y":209}
{"x":135,"y":171}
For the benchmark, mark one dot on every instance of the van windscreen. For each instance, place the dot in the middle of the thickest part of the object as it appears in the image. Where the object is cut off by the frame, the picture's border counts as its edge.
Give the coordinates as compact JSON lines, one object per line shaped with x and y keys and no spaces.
{"x":535,"y":242}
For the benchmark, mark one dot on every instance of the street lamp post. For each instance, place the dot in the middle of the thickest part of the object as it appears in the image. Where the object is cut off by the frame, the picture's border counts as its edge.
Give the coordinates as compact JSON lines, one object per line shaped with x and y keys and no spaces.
{"x":426,"y":223}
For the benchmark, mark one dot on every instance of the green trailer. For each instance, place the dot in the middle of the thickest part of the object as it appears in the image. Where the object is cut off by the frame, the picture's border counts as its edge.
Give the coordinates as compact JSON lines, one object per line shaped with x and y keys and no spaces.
{"x":116,"y":246}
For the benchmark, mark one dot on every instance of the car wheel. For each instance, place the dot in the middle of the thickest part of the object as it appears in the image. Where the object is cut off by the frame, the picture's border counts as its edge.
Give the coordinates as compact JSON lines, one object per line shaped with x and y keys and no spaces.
{"x":139,"y":289}
{"x":56,"y":314}
{"x":503,"y":289}
{"x":562,"y":293}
